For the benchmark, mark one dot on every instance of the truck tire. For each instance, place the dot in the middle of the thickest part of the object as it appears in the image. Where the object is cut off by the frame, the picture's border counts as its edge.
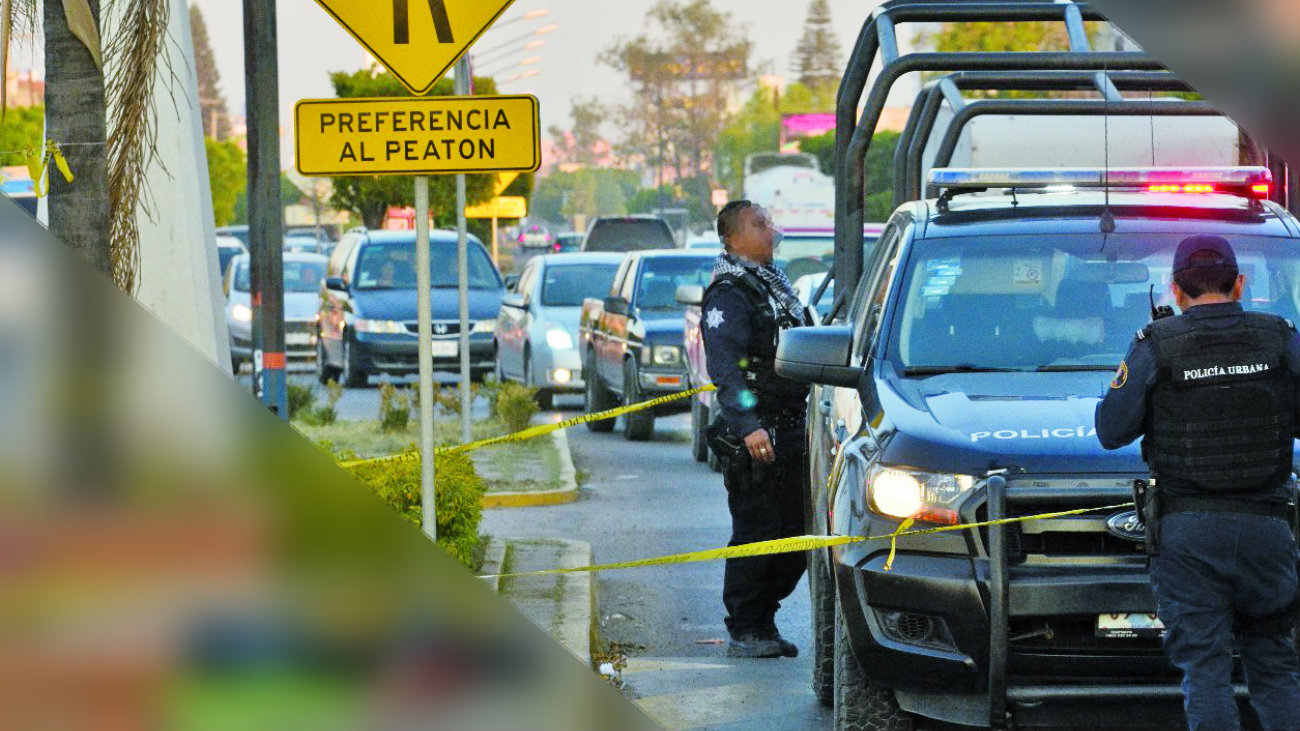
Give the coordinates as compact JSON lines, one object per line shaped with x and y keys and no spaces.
{"x":639,"y":425}
{"x":596,"y":397}
{"x":861,"y":705}
{"x":821,"y":590}
{"x":699,"y":448}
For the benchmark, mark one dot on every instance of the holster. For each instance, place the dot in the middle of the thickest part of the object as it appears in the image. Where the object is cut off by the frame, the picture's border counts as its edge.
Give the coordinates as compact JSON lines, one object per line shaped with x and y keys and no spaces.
{"x":1147,"y":500}
{"x":724,"y":442}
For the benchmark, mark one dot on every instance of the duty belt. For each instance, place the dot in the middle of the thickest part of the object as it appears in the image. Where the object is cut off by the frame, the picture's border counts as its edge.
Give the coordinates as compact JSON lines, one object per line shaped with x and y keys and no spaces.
{"x":1176,"y":504}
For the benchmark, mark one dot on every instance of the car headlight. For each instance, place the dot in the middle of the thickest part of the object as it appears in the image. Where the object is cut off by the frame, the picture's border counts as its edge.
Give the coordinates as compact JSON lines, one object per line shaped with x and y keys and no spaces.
{"x":484,"y":326}
{"x":929,"y":496}
{"x":242,"y":313}
{"x":559,"y":338}
{"x":667,"y":355}
{"x":379,"y":326}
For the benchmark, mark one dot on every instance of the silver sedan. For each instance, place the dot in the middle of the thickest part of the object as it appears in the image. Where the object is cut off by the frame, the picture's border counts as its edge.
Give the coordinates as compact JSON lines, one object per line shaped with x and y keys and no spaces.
{"x":537,"y":329}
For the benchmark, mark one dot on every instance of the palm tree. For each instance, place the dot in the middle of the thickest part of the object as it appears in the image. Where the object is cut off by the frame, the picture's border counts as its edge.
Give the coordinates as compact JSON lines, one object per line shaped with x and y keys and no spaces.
{"x":98,"y":106}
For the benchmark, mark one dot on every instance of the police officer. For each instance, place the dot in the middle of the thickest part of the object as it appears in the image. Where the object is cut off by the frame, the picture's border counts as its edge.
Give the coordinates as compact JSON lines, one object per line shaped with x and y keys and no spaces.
{"x":748,"y":303}
{"x":1213,"y":392}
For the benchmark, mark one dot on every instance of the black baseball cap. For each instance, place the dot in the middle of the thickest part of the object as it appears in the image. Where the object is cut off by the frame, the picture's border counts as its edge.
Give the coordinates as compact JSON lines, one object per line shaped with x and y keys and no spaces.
{"x":1224,"y":256}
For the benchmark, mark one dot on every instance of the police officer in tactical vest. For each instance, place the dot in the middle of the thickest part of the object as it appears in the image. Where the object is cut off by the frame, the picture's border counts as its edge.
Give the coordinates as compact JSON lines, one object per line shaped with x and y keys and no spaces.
{"x":1213,"y":393}
{"x":760,"y":433}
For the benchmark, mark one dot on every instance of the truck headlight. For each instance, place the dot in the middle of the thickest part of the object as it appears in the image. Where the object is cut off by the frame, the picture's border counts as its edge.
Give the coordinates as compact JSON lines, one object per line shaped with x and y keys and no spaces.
{"x":930,"y":496}
{"x":558,"y":338}
{"x":241,"y":313}
{"x":667,"y":355}
{"x":379,"y":326}
{"x":484,"y":326}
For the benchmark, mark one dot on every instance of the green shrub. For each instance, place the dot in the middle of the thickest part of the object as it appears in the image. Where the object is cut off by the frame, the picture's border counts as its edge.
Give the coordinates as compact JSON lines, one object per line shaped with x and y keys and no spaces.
{"x":300,"y":397}
{"x":325,"y":413}
{"x":458,"y":488}
{"x":448,"y":397}
{"x":489,"y":389}
{"x":394,"y":408}
{"x":516,"y":405}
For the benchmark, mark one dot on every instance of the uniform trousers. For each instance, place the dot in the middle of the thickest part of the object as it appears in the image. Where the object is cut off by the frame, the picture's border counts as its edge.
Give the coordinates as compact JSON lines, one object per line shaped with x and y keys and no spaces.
{"x":766,"y":502}
{"x":1214,"y":567}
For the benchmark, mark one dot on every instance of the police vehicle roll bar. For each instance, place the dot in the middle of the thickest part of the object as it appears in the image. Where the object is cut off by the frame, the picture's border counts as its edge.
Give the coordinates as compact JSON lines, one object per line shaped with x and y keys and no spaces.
{"x":879,"y":35}
{"x":915,"y":138}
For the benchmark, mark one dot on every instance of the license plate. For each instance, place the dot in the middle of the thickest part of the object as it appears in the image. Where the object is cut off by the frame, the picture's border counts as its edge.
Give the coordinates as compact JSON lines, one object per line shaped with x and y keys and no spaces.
{"x":297,"y":338}
{"x":1122,"y":625}
{"x":445,"y":348}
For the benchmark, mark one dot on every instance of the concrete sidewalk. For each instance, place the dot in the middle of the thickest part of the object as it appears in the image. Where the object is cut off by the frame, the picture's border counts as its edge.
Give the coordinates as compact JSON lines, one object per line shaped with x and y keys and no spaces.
{"x":561,"y":604}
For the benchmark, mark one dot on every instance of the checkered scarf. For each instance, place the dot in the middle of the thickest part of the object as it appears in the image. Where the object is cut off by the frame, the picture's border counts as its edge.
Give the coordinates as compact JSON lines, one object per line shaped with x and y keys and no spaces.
{"x":778,"y":284}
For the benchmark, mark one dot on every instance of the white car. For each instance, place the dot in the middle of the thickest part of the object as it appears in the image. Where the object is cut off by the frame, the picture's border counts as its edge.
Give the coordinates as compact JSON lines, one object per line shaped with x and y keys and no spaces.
{"x":303,"y":275}
{"x":806,"y":286}
{"x":536,"y":333}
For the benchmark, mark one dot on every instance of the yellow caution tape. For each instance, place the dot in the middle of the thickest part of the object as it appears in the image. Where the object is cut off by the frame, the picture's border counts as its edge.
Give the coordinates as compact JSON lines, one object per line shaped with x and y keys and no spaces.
{"x":38,"y":164}
{"x":536,"y":431}
{"x":804,"y":543}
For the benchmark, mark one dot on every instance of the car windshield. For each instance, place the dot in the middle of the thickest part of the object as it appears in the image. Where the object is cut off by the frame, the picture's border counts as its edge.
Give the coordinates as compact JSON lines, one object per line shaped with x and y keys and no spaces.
{"x":299,"y":276}
{"x":392,"y":266}
{"x":1067,"y":302}
{"x":567,"y":285}
{"x":630,"y":235}
{"x":660,"y":277}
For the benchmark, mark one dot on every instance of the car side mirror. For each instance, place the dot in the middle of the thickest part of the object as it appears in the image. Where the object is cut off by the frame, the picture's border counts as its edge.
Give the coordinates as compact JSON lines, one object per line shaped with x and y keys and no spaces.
{"x":511,"y":281}
{"x":616,"y":306}
{"x":690,"y":294}
{"x":336,"y":283}
{"x":514,"y":300}
{"x":817,"y":355}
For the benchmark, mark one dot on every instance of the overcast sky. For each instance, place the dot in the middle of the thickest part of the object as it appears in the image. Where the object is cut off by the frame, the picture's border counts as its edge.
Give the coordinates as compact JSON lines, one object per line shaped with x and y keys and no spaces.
{"x":312,"y":45}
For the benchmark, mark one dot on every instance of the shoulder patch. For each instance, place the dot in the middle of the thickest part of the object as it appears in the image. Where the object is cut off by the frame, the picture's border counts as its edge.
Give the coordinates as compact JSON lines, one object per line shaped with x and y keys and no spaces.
{"x":1121,"y":375}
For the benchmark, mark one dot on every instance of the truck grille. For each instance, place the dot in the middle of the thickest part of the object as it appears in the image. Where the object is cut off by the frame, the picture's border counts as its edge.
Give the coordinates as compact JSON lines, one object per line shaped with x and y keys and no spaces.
{"x":1065,"y":539}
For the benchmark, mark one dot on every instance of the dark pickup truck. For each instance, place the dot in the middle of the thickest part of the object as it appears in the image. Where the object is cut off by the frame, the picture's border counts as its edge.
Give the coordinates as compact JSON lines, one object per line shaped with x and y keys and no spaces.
{"x":632,"y":338}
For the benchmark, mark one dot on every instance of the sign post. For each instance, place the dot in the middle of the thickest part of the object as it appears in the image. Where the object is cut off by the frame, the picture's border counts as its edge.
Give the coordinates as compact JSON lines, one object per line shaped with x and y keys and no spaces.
{"x":418,"y":41}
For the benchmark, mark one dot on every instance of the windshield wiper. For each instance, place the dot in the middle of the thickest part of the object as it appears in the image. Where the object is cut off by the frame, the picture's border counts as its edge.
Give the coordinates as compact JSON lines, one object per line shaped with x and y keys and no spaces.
{"x":955,"y":368}
{"x":1076,"y":367}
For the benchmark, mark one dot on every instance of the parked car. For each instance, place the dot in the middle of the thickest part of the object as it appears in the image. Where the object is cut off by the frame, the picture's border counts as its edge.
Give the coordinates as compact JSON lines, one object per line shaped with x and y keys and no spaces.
{"x":304,"y":242}
{"x":536,"y":338}
{"x":535,"y":237}
{"x":709,"y":241}
{"x":303,"y":274}
{"x":567,"y":242}
{"x":228,"y":247}
{"x":368,"y":320}
{"x":632,"y":338}
{"x":238,"y":231}
{"x":628,"y":233}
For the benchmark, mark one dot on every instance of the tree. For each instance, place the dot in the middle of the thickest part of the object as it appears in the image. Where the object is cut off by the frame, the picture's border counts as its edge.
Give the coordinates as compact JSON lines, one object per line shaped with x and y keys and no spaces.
{"x":228,"y":178}
{"x":21,"y":129}
{"x":587,"y":191}
{"x":817,"y":57}
{"x":681,"y":80}
{"x":757,"y":127}
{"x":578,"y":144}
{"x":371,"y":196}
{"x":212,"y":105}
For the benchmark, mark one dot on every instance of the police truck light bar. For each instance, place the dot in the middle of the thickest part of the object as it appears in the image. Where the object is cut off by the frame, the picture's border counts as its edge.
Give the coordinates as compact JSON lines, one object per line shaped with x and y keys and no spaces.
{"x":1251,"y":181}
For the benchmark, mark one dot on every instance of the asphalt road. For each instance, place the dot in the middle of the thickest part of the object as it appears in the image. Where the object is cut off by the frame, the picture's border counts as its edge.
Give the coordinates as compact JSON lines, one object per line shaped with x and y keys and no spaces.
{"x":645,"y":499}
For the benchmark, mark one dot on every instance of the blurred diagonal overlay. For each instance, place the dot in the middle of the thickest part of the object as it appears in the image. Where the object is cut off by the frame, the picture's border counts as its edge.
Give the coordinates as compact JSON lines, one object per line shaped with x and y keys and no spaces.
{"x":174,"y":556}
{"x":1242,"y":55}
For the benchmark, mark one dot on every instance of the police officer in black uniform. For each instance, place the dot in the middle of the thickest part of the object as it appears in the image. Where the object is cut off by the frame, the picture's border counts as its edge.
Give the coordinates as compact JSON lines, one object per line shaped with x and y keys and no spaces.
{"x":1214,"y":394}
{"x":748,"y":303}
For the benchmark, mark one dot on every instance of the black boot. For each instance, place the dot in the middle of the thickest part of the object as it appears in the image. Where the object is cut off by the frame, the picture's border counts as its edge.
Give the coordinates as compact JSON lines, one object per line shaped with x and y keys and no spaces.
{"x":788,"y":648}
{"x":754,"y":644}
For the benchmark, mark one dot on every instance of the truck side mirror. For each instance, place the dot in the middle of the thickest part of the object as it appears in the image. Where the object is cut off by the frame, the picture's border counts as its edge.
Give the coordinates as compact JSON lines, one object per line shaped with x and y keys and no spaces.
{"x":511,"y":281}
{"x":616,"y":306}
{"x":690,"y":294}
{"x":336,"y":283}
{"x":817,"y":355}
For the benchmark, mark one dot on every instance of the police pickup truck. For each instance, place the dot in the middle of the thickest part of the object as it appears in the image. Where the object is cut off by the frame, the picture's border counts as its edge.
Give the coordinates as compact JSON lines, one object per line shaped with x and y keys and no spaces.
{"x":987,"y":324}
{"x":631,"y":339}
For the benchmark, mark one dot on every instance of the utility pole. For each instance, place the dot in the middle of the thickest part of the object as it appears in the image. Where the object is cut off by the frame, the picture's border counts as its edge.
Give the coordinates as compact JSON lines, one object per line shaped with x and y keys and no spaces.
{"x":265,"y":230}
{"x":463,"y":87}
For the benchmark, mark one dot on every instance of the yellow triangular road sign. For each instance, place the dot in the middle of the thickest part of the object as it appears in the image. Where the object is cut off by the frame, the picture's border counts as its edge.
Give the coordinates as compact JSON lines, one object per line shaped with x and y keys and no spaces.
{"x":417,"y":40}
{"x":503,"y":181}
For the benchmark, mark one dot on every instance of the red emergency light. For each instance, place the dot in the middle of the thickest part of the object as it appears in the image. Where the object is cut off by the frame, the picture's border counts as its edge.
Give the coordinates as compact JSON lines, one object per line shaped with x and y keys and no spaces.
{"x":1180,"y":188}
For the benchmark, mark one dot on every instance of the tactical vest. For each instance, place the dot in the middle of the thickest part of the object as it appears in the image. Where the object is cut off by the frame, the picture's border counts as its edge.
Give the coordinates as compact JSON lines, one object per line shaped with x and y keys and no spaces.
{"x":765,"y":322}
{"x":1221,"y":415}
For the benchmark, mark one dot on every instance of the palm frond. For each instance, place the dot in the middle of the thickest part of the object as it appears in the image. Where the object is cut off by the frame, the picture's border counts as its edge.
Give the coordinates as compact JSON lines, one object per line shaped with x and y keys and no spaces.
{"x":136,"y":44}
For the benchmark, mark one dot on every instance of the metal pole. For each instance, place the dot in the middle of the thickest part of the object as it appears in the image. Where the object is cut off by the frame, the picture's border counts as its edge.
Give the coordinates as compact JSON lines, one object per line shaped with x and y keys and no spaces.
{"x":265,"y":233}
{"x":424,"y":353}
{"x":462,"y":88}
{"x":496,"y":258}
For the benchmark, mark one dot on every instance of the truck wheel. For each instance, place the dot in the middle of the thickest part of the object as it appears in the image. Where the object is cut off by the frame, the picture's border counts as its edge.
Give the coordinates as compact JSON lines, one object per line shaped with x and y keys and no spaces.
{"x":353,"y":375}
{"x":715,"y":464}
{"x":639,"y":425}
{"x":861,"y":705}
{"x":821,"y":589}
{"x":597,"y":398}
{"x":699,"y":448}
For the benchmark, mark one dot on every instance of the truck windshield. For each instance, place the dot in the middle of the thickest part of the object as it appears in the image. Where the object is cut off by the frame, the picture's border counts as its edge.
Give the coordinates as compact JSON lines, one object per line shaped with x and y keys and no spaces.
{"x":1065,"y":302}
{"x":660,"y":277}
{"x":567,"y":285}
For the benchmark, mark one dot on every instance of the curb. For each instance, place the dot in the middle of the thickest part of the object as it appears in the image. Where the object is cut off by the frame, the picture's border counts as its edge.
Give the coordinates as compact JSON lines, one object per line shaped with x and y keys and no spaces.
{"x":531,"y":498}
{"x":563,"y":605}
{"x":494,"y":556}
